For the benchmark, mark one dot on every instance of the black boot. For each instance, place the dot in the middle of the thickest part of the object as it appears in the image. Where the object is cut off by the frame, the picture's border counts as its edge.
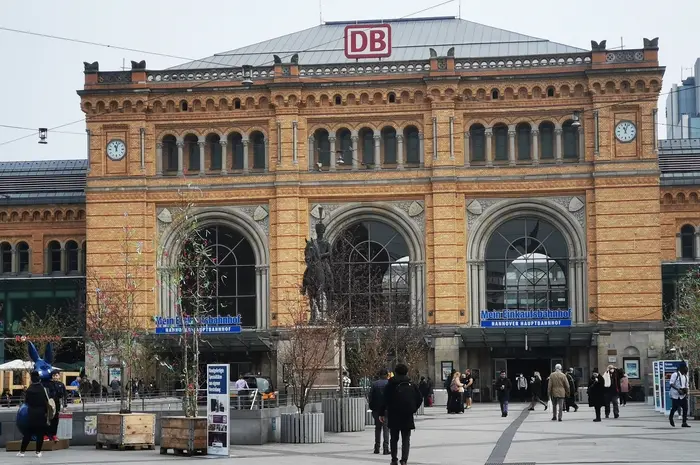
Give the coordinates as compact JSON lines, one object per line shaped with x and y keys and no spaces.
{"x":685,"y":425}
{"x":387,"y":451}
{"x":670,"y":420}
{"x":376,"y":448}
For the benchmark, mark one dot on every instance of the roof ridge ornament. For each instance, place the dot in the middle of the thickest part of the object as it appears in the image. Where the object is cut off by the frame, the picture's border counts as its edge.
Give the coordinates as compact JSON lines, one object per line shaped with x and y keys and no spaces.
{"x":651,"y":43}
{"x":138,"y":65}
{"x":598,"y":47}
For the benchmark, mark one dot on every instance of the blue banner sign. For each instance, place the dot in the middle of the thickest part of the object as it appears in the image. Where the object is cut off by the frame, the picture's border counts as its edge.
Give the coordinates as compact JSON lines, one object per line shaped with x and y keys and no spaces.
{"x":217,"y":379}
{"x":207,"y":325}
{"x":525,"y":318}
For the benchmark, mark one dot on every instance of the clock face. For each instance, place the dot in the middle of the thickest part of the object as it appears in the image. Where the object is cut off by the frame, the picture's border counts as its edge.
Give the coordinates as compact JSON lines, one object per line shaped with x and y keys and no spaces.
{"x":116,"y":149}
{"x":625,"y":131}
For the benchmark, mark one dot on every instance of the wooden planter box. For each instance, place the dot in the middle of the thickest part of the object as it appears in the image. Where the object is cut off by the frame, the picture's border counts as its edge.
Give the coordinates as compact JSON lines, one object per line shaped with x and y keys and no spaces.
{"x":184,"y":436}
{"x":126,"y":431}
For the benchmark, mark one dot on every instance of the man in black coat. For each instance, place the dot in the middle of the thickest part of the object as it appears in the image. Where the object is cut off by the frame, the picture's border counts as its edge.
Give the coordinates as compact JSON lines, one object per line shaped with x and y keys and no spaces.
{"x":402,"y":398}
{"x":376,"y":405}
{"x":57,"y":391}
{"x":596,"y":393}
{"x":503,"y":387}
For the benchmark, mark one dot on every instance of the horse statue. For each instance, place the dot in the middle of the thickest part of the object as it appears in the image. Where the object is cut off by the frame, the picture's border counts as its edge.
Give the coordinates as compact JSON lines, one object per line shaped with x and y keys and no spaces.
{"x":317,"y":279}
{"x":45,"y":370}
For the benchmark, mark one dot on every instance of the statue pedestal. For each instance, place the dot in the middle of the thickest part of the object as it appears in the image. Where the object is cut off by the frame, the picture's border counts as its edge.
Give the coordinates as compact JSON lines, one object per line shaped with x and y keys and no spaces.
{"x":14,"y":446}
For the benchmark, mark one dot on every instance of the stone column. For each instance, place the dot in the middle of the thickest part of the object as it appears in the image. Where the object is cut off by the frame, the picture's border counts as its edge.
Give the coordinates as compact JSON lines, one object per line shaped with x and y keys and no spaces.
{"x":399,"y":151}
{"x":679,"y":246}
{"x":14,"y":261}
{"x":377,"y":150}
{"x":581,"y":145}
{"x":535,"y":146}
{"x":489,"y":148}
{"x":312,"y":149}
{"x":511,"y":144}
{"x":224,"y":157}
{"x":696,"y":238}
{"x":266,"y":144}
{"x":331,"y":140}
{"x":159,"y":159}
{"x":558,"y":155}
{"x":467,"y":151}
{"x":81,"y":270}
{"x":354,"y":138}
{"x":202,"y":165}
{"x":64,"y":259}
{"x":596,"y":136}
{"x":452,"y":137}
{"x":245,"y":155}
{"x":180,"y":157}
{"x":421,"y":148}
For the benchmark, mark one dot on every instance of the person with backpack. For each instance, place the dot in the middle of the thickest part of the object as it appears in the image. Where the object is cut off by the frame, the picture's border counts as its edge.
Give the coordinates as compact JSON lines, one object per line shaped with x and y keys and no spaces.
{"x":456,"y":402}
{"x":38,"y":415}
{"x":402,"y":398}
{"x":679,"y":394}
{"x":376,"y":405}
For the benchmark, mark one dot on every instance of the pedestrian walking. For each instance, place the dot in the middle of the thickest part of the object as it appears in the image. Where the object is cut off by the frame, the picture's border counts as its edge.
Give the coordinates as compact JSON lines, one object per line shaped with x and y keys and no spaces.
{"x":37,"y":401}
{"x":624,"y":389}
{"x":612,"y":391}
{"x":402,"y":400}
{"x":596,"y":393}
{"x":571,"y":398}
{"x":536,"y":391}
{"x":503,"y":387}
{"x":679,"y":394}
{"x":558,"y":390}
{"x":376,"y":405}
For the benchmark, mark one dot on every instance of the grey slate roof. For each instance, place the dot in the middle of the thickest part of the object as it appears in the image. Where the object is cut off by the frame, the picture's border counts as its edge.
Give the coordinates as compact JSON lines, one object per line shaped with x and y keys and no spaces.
{"x":411,"y":39}
{"x":47,"y":181}
{"x":679,"y":162}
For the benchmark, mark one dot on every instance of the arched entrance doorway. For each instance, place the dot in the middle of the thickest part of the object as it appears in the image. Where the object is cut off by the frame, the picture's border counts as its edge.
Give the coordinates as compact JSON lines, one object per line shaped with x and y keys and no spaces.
{"x":371,"y":274}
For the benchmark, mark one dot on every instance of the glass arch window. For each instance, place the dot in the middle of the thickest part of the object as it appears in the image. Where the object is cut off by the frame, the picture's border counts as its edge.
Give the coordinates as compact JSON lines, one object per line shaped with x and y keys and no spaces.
{"x":371,"y":274}
{"x":688,"y":242}
{"x":6,"y":257}
{"x":527,"y":266}
{"x":228,"y":277}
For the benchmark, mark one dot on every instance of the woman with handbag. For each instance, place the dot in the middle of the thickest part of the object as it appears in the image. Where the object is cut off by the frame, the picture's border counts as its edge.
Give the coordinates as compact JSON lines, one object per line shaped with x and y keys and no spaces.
{"x":455,"y":401}
{"x":37,"y":401}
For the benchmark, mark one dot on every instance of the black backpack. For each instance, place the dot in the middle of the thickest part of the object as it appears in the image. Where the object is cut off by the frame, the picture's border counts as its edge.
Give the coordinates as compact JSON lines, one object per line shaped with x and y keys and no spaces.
{"x":405,"y":398}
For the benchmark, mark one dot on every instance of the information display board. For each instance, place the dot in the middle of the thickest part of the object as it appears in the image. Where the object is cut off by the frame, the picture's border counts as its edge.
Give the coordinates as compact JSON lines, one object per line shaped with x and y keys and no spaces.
{"x":657,"y":388}
{"x":218,"y":407}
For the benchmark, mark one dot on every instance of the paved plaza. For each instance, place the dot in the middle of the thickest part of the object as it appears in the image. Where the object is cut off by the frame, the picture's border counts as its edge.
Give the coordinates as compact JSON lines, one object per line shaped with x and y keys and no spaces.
{"x":480,"y":436}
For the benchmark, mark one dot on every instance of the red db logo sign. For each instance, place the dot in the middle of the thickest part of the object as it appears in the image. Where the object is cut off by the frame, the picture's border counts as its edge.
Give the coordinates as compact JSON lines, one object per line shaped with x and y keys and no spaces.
{"x":368,"y":41}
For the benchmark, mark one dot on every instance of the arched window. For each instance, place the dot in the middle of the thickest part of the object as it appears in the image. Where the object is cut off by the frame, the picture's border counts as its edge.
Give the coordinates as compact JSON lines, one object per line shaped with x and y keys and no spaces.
{"x":192,"y":152}
{"x":235,"y":141}
{"x":23,"y":265}
{"x":72,"y":259}
{"x":688,"y":242}
{"x":169,"y":155}
{"x":524,"y":135}
{"x":344,"y":148}
{"x":527,"y":266}
{"x":367,"y":146}
{"x":570,"y":141}
{"x":53,"y":257}
{"x":371,"y":274}
{"x":477,"y":139}
{"x":389,"y":145}
{"x":323,"y":147}
{"x":5,"y":258}
{"x":411,"y":140}
{"x":257,"y":141}
{"x":225,"y":274}
{"x":500,"y":146}
{"x":546,"y":141}
{"x":214,"y":152}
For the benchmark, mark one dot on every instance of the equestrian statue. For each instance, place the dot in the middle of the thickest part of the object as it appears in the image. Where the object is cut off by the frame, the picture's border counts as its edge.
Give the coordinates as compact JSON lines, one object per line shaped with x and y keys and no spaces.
{"x":318,"y":278}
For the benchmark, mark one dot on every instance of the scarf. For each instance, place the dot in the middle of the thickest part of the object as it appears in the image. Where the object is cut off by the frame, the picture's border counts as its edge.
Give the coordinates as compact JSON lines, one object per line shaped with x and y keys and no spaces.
{"x":606,"y":379}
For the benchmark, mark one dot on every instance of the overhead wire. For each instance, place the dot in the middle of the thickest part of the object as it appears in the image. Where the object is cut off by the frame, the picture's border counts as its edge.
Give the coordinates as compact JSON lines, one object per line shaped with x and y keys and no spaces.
{"x":193,"y":86}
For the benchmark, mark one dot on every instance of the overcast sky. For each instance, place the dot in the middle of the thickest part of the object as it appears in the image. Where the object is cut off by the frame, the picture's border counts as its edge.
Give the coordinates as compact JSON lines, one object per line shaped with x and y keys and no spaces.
{"x":40,"y":75}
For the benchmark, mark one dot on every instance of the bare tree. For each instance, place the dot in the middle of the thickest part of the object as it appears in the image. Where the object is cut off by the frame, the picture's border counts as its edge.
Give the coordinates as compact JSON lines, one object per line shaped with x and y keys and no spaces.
{"x":53,"y":326}
{"x":308,"y":350}
{"x":683,"y":324}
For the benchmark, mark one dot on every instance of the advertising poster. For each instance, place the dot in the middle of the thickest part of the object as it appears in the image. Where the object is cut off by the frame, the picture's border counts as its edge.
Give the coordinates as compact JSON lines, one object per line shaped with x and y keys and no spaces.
{"x":218,"y":410}
{"x":669,"y":368}
{"x":65,"y":426}
{"x":91,"y":425}
{"x":657,"y":388}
